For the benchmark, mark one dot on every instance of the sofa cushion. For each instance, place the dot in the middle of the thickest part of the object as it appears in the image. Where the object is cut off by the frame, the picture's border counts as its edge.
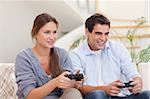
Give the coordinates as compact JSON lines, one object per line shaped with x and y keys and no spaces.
{"x":8,"y":86}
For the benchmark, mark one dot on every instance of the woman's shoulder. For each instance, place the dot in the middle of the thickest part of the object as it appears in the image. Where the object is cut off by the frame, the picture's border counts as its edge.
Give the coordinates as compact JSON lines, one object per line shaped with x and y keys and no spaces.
{"x":23,"y":57}
{"x":24,"y":52}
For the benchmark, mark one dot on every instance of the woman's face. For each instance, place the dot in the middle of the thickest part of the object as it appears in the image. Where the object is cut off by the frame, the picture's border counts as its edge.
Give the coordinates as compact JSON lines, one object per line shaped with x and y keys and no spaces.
{"x":46,"y":36}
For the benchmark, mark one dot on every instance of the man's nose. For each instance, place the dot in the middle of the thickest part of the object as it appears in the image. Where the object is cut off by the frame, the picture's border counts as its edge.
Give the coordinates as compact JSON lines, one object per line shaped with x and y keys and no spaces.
{"x":103,"y":37}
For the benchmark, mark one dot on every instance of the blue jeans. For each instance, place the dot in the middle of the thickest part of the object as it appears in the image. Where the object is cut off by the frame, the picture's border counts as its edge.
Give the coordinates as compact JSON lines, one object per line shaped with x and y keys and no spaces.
{"x":102,"y":95}
{"x":98,"y":94}
{"x":141,"y":95}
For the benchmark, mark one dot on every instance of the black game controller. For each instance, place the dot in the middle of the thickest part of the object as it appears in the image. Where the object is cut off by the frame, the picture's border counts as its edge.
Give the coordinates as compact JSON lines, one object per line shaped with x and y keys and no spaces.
{"x":76,"y":77}
{"x":127,"y":85}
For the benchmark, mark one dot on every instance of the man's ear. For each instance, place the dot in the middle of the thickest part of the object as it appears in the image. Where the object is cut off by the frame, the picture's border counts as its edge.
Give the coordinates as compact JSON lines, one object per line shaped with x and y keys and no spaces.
{"x":87,"y":32}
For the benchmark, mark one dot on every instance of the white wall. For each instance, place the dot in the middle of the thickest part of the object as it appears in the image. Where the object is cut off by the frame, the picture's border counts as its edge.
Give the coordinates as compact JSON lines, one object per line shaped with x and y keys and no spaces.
{"x":15,"y":26}
{"x":127,"y":10}
{"x":16,"y":19}
{"x":124,"y":9}
{"x":67,"y":40}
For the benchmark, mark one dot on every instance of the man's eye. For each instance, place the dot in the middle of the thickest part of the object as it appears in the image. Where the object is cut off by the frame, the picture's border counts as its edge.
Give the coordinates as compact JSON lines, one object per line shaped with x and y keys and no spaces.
{"x":107,"y":33}
{"x":98,"y":33}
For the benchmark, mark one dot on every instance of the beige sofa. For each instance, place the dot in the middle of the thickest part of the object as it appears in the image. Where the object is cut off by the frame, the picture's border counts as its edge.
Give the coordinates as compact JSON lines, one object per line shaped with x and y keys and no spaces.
{"x":8,"y":86}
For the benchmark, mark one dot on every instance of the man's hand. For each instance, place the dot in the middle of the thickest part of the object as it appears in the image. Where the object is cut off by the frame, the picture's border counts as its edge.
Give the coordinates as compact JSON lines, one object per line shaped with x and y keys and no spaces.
{"x":137,"y":82}
{"x":112,"y":89}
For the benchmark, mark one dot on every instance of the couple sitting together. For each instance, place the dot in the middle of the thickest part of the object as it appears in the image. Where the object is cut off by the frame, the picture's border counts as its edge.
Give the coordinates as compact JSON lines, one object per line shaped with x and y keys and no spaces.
{"x":48,"y":72}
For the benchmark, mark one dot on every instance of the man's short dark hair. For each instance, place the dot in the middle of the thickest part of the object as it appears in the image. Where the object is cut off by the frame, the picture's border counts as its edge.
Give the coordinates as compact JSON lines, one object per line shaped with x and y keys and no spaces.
{"x":96,"y":19}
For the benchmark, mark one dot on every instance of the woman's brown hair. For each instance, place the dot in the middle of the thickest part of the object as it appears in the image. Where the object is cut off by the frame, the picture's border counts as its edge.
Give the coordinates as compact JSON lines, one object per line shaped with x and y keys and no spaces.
{"x":39,"y":22}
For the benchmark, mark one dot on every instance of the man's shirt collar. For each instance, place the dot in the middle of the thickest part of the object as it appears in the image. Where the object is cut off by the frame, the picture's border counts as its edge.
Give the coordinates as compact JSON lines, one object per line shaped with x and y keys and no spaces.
{"x":88,"y":51}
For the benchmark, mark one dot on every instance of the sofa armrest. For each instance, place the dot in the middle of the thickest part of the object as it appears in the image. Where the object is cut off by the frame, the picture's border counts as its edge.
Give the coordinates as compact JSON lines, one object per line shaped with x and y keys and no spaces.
{"x":8,"y":86}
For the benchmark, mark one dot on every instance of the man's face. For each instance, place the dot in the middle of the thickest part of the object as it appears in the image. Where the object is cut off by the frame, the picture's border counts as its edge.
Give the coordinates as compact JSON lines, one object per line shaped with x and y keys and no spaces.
{"x":98,"y":37}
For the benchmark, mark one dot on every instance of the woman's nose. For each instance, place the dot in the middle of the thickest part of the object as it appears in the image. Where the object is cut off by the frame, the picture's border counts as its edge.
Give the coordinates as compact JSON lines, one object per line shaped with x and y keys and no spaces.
{"x":51,"y":36}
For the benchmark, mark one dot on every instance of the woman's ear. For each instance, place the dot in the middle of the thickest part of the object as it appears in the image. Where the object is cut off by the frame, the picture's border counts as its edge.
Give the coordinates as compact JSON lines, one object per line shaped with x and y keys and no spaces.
{"x":35,"y":36}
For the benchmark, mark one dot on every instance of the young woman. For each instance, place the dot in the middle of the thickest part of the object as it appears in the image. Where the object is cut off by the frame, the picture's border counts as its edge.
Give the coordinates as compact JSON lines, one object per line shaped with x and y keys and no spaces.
{"x":40,"y":71}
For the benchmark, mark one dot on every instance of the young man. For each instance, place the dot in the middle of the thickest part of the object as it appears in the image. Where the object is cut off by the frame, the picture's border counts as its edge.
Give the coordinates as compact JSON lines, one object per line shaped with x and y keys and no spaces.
{"x":106,"y":64}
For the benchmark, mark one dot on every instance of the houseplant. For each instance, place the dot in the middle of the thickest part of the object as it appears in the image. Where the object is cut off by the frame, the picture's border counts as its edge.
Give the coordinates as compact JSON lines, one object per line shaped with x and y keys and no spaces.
{"x":144,"y":54}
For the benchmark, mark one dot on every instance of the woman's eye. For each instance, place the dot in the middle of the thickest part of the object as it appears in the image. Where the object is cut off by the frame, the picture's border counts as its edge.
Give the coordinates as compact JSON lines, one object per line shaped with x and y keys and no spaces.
{"x":55,"y":32}
{"x":46,"y":32}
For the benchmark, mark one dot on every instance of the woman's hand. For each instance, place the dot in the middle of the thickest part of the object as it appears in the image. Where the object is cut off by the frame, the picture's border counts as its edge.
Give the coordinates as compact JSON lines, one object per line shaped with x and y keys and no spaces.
{"x":78,"y":84}
{"x":63,"y":82}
